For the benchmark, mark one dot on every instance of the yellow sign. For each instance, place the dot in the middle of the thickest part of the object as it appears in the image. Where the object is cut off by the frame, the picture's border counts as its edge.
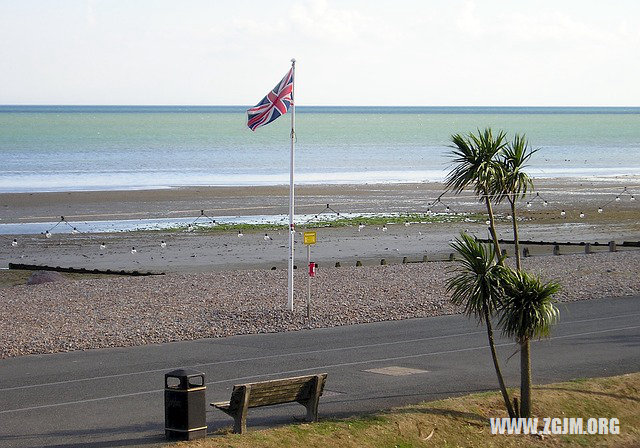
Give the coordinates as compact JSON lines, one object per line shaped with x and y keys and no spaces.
{"x":309,"y":237}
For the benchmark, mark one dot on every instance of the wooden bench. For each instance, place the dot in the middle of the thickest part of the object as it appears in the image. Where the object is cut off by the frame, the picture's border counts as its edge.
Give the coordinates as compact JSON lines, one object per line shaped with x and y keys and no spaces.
{"x":305,"y":390}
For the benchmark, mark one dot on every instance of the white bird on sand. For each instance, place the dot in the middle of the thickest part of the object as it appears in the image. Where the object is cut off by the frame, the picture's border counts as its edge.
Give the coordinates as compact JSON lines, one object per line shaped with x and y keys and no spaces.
{"x":47,"y":234}
{"x":407,"y":223}
{"x":163,"y":244}
{"x":14,"y":243}
{"x":102,"y":246}
{"x":240,"y":234}
{"x":384,"y":228}
{"x":267,"y":237}
{"x":133,"y":250}
{"x":360,"y":227}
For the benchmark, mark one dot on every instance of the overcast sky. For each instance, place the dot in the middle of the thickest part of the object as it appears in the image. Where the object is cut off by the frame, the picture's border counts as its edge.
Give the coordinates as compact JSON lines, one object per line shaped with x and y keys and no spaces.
{"x":350,"y":52}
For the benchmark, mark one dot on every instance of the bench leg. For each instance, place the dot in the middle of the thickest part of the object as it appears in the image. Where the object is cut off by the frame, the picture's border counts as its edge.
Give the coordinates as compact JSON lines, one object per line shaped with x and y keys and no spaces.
{"x":240,"y":419}
{"x":240,"y":424}
{"x":312,"y":404}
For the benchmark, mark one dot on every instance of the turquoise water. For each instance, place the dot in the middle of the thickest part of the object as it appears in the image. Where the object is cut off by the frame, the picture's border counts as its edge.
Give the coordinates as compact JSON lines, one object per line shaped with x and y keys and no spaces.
{"x":96,"y":148}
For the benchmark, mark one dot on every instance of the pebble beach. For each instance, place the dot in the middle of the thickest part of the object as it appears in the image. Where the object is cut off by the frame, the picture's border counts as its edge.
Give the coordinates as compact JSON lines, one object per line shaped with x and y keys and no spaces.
{"x":127,"y":311}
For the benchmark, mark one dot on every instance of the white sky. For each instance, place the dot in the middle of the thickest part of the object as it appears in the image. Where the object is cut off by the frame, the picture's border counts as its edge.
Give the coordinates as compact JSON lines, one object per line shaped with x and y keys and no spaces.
{"x":350,"y":52}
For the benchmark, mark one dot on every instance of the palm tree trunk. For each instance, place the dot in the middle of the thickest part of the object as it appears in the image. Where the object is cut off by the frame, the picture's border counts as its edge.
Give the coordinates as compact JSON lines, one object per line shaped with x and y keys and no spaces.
{"x":492,"y":227}
{"x":525,"y":379}
{"x":516,"y":238}
{"x":496,"y":364}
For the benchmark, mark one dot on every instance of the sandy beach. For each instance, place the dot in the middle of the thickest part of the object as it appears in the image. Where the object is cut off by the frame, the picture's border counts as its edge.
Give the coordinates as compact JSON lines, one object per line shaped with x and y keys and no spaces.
{"x":218,"y":284}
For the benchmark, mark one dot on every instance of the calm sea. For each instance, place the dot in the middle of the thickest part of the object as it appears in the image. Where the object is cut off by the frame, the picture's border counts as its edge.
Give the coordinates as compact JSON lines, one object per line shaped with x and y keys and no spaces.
{"x":58,"y":148}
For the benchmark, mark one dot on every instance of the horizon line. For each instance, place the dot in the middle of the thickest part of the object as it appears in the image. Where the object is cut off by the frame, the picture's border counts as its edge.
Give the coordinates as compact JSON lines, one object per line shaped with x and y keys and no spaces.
{"x":325,"y":105}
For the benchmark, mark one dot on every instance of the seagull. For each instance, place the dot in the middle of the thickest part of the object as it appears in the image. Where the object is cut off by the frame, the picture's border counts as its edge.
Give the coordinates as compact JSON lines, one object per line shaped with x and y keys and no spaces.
{"x":14,"y":243}
{"x":163,"y":244}
{"x":360,"y":227}
{"x":407,"y":223}
{"x":240,"y":234}
{"x":102,"y":246}
{"x":133,"y":250}
{"x":384,"y":228}
{"x":267,"y":237}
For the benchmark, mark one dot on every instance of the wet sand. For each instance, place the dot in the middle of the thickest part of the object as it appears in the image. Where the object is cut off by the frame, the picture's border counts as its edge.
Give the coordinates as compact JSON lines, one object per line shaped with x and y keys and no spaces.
{"x":570,"y":194}
{"x":220,"y":250}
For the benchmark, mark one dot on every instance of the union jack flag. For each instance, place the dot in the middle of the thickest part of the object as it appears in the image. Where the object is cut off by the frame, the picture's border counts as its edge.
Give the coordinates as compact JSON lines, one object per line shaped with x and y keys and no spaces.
{"x":275,"y":104}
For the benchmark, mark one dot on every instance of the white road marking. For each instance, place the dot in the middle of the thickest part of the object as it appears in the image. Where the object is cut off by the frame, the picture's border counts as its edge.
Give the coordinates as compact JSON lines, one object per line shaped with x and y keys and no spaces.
{"x":316,"y":368}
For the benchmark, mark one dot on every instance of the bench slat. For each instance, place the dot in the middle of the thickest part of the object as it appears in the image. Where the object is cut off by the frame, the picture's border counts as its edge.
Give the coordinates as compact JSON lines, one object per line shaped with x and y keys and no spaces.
{"x":221,"y":404}
{"x":298,"y":392}
{"x":292,"y":380}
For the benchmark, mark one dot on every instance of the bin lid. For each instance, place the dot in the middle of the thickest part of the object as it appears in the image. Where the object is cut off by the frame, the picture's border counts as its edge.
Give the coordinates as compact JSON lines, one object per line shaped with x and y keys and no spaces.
{"x":184,"y":373}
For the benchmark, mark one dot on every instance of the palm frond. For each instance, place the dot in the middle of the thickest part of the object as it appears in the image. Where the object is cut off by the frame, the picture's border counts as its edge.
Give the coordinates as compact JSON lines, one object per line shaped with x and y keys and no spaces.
{"x":474,"y":159}
{"x":528,"y":308}
{"x":475,"y":282}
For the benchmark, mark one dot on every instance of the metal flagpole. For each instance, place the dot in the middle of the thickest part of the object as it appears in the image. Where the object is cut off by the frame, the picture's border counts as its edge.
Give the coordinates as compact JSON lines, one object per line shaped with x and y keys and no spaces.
{"x":291,"y":189}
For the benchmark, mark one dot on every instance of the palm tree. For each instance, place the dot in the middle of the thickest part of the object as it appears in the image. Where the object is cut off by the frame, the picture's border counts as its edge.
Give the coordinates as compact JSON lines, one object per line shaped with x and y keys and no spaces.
{"x":513,"y":182}
{"x":476,"y":287}
{"x":475,"y":162}
{"x":527,"y":312}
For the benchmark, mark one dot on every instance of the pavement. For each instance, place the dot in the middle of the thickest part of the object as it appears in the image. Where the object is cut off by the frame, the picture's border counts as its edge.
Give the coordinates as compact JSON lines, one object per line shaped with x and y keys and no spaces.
{"x":114,"y":397}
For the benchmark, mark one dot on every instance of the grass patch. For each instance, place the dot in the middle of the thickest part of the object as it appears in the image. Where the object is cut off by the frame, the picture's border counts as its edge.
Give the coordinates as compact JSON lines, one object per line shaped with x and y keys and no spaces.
{"x":463,"y":422}
{"x":317,"y":223}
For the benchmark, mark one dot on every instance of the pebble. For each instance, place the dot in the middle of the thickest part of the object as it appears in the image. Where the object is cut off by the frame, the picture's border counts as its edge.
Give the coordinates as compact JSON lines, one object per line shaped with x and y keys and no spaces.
{"x":131,"y":311}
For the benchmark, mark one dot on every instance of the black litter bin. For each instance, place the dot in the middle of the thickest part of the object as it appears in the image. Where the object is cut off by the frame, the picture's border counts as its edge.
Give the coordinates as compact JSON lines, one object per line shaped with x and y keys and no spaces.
{"x":184,"y":405}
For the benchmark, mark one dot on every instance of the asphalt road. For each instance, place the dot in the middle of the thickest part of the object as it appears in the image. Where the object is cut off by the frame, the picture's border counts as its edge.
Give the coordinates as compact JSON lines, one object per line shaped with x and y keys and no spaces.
{"x":114,"y":397}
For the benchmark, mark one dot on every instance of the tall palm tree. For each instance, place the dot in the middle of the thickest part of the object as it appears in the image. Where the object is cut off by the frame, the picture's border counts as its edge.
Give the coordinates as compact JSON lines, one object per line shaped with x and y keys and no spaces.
{"x":475,"y":286}
{"x":475,"y":165}
{"x":527,"y":312}
{"x":513,"y":183}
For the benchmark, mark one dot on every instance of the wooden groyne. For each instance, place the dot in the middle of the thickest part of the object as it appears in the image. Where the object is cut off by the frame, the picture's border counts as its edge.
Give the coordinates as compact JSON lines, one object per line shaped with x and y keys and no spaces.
{"x":38,"y":267}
